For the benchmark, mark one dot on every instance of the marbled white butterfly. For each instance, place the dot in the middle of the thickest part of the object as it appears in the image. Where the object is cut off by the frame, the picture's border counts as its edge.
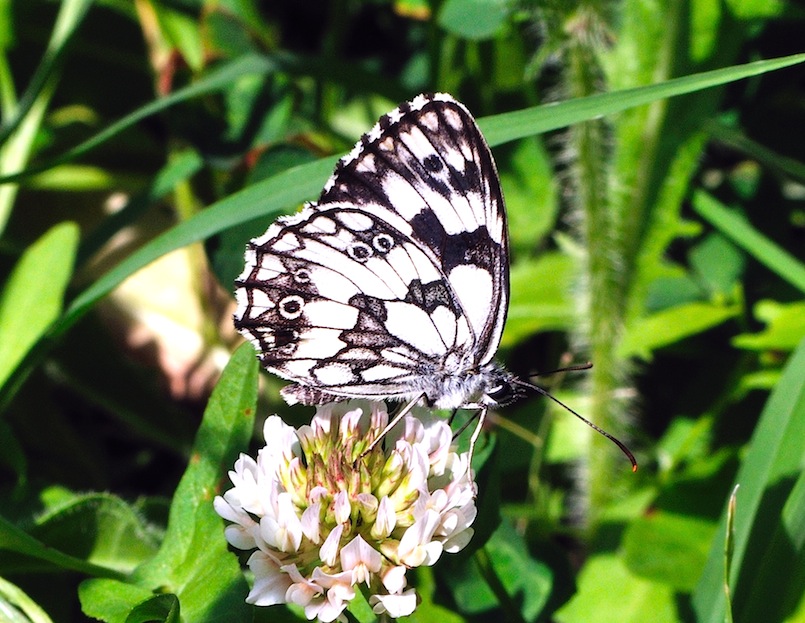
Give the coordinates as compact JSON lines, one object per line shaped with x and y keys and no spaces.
{"x":395,"y":283}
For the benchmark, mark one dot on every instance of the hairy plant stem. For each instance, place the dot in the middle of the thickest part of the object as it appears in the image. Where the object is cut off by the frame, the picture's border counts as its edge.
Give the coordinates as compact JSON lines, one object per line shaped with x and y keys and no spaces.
{"x":602,"y":307}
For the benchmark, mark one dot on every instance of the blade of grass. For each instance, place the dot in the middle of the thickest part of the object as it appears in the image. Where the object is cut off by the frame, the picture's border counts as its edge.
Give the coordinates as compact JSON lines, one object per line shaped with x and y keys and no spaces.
{"x":180,"y":168}
{"x":498,"y":129}
{"x":289,"y":188}
{"x":753,"y":149}
{"x":732,"y":225}
{"x":729,"y":548}
{"x":216,"y":80}
{"x":772,"y":466}
{"x":510,"y":126}
{"x":71,"y":14}
{"x":25,"y":116}
{"x":16,"y":150}
{"x":12,"y":595}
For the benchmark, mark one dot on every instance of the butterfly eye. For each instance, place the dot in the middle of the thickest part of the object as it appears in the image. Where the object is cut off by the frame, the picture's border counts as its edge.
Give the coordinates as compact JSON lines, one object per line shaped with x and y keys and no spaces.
{"x":291,"y":307}
{"x":359,"y":251}
{"x":501,"y":394}
{"x":383,"y":243}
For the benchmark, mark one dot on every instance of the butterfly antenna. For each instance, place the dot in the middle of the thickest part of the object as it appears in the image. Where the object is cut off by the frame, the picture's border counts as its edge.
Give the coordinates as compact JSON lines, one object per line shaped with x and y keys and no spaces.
{"x":595,"y":427}
{"x":574,"y":368}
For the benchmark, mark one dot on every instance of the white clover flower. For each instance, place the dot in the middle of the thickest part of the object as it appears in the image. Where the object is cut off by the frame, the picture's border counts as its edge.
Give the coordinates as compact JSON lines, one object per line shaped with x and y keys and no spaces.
{"x":324,"y":521}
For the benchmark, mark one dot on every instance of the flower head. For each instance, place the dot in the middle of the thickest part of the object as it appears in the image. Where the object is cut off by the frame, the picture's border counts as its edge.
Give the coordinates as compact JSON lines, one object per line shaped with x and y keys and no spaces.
{"x":324,"y":519}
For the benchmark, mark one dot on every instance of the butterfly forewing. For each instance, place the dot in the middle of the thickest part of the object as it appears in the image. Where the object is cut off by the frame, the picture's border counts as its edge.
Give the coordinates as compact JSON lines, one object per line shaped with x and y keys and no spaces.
{"x":426,"y":168}
{"x":395,"y":283}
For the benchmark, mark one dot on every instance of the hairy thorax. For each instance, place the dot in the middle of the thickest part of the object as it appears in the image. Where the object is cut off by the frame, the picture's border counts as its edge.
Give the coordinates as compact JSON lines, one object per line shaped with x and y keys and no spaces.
{"x":487,"y":385}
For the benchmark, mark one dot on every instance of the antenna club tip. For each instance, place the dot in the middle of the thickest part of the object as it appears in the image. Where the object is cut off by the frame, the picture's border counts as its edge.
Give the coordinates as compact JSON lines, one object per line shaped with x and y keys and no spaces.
{"x":634,"y":467}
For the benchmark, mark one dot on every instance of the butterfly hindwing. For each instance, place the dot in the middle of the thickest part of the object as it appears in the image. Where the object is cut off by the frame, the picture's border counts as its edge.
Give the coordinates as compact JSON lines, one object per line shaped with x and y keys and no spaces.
{"x":338,"y":300}
{"x":426,"y":168}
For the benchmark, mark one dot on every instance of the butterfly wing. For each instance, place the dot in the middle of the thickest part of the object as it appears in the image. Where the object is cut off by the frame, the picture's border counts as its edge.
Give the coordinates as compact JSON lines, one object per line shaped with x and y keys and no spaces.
{"x":426,"y":169}
{"x":344,"y":304}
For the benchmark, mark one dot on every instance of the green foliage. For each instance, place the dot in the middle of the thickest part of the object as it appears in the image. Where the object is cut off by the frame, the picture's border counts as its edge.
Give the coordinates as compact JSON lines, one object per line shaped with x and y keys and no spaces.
{"x":26,"y":312}
{"x":653,"y":180}
{"x":768,"y":521}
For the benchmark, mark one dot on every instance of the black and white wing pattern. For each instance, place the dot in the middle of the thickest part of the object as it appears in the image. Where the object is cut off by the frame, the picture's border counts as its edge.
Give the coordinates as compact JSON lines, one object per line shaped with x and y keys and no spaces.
{"x":395,"y":283}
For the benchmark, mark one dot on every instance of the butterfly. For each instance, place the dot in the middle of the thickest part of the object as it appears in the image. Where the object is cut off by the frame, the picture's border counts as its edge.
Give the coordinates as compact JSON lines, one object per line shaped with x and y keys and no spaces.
{"x":395,"y":283}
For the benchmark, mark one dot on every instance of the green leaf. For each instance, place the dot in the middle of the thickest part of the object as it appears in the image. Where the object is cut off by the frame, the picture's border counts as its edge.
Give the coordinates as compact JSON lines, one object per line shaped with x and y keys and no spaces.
{"x":473,"y":19}
{"x":732,"y":225}
{"x":718,"y":263}
{"x":532,"y":201}
{"x":504,"y":576}
{"x":194,"y":562}
{"x":755,"y":9}
{"x":785,"y":327}
{"x":768,"y":535}
{"x":182,"y":31}
{"x":158,"y":608}
{"x":32,"y":297}
{"x":763,"y":380}
{"x":74,"y":178}
{"x":15,"y":539}
{"x":668,"y":548}
{"x":99,"y":528}
{"x":609,"y":593}
{"x":540,"y":297}
{"x":111,"y":600}
{"x":672,"y":325}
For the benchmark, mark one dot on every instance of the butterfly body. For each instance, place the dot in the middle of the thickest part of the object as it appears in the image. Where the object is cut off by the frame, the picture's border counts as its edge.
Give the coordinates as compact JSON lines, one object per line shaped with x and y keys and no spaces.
{"x":394,"y":284}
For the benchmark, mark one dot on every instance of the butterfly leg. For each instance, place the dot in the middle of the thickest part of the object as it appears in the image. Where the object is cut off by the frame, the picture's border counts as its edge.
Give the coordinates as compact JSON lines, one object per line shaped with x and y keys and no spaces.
{"x":403,"y":412}
{"x":475,"y":434}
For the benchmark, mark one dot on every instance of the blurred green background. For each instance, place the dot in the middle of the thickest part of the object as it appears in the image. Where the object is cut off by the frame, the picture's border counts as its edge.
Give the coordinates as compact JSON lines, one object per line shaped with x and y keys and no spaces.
{"x":142,"y":143}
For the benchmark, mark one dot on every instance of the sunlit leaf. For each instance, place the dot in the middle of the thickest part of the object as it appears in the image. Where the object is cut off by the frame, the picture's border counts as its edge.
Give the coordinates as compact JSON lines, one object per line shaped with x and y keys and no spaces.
{"x":110,"y":600}
{"x":541,"y":296}
{"x":609,"y":593}
{"x":668,"y":548}
{"x":785,"y":327}
{"x":672,"y":325}
{"x":33,"y":295}
{"x":194,"y":562}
